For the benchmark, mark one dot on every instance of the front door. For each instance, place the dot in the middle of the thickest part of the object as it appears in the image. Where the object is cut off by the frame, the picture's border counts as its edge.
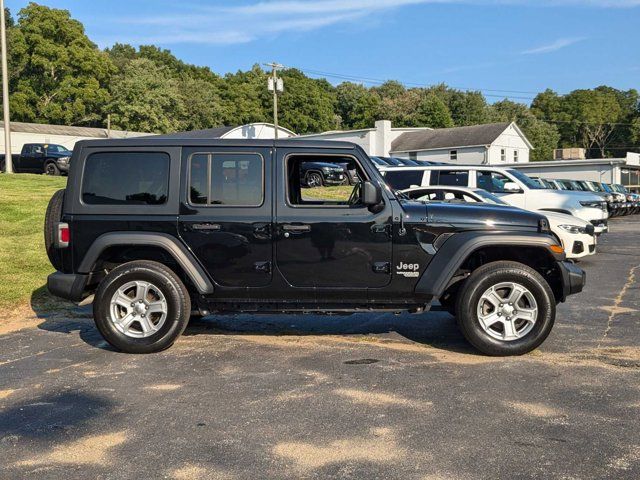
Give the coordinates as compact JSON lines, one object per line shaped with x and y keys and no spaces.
{"x":226,"y":218}
{"x":324,"y":236}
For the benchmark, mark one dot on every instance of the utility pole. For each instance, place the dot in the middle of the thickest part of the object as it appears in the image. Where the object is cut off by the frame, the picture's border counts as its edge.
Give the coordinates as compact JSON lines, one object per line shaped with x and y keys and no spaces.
{"x":276,"y":86}
{"x":8,"y":160}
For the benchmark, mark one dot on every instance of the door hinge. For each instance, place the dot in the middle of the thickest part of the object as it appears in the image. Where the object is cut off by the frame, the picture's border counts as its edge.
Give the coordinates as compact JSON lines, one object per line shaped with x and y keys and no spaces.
{"x":262,"y":267}
{"x":382,"y":267}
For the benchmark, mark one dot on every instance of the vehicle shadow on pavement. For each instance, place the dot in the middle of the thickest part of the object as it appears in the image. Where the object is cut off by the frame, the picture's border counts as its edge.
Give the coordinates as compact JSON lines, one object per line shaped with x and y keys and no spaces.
{"x":434,"y":329}
{"x":65,"y":317}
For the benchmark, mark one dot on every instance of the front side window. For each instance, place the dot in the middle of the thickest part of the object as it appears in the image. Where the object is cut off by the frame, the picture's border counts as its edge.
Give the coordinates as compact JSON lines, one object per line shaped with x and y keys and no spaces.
{"x":491,"y":181}
{"x":226,"y":179}
{"x":323,"y":180}
{"x":126,"y":178}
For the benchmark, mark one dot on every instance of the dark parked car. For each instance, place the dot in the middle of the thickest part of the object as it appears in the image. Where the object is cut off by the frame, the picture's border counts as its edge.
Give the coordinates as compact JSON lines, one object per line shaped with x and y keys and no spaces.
{"x":318,"y":174}
{"x":159,"y":230}
{"x":41,"y":158}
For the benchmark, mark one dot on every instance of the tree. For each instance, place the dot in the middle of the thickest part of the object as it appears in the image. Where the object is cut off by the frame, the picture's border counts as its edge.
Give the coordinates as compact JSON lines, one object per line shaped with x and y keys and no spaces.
{"x":145,"y":98}
{"x":357,"y":106}
{"x":62,"y":75}
{"x":467,"y":108}
{"x":307,"y":105}
{"x":432,"y":112}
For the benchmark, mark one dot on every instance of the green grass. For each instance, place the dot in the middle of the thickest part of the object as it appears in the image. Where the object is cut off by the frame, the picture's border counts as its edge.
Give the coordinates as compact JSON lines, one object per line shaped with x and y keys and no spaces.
{"x":334,"y":193}
{"x":24,"y":265}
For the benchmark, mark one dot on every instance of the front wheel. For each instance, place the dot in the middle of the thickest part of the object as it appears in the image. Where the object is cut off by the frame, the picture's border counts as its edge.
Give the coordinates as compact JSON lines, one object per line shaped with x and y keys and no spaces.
{"x":314,"y":179}
{"x":52,"y":169}
{"x":141,"y":307}
{"x":505,"y":308}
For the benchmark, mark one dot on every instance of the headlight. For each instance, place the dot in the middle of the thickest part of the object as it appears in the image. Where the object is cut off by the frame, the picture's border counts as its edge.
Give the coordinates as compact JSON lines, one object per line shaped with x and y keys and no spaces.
{"x":592,"y":204}
{"x":608,"y":197}
{"x":573,"y":228}
{"x":64,"y":159}
{"x":332,"y":169}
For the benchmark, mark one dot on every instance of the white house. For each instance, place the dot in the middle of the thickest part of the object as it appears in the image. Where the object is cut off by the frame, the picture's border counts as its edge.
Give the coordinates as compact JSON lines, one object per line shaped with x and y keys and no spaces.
{"x":493,"y":143}
{"x":489,"y":144}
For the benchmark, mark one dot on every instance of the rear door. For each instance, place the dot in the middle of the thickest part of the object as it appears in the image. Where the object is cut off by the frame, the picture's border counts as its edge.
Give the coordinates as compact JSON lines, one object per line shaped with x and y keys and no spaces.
{"x":227,"y":216}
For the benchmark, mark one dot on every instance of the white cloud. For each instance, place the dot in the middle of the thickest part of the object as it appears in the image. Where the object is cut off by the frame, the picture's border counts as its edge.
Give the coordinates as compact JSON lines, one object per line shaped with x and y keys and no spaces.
{"x":203,"y":24}
{"x":553,"y":46}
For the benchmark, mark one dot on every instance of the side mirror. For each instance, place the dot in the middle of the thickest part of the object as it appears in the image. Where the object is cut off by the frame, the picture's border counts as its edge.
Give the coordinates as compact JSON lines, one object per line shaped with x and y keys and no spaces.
{"x":511,"y":187}
{"x":370,"y":195}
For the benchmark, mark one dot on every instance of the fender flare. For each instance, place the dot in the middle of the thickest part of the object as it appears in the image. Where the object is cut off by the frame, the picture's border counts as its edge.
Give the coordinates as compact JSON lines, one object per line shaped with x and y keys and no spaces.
{"x":459,"y":247}
{"x":170,"y":244}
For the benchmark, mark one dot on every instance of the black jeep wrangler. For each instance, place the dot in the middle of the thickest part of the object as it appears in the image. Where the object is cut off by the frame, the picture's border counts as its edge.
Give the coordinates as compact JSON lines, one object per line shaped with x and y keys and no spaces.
{"x":163,"y":229}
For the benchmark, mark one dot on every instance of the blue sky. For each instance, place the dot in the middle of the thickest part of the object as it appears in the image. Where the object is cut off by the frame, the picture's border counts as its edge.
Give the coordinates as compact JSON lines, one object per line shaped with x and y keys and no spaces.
{"x":503,"y":47}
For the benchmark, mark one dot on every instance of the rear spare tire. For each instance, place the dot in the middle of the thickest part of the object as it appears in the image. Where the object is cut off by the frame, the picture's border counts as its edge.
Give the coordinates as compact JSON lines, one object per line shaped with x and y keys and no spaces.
{"x":53,"y":216}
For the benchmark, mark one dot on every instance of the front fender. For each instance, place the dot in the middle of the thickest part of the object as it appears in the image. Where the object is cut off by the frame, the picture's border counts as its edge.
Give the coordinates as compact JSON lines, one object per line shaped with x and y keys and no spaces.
{"x":452,"y":254}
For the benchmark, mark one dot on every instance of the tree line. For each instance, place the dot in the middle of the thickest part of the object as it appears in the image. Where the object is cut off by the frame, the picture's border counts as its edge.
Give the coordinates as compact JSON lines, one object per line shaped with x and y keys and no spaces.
{"x":59,"y":76}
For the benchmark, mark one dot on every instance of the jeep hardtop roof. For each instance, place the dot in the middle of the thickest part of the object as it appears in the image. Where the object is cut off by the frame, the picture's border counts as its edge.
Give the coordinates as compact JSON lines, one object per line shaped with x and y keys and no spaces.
{"x":227,"y":142}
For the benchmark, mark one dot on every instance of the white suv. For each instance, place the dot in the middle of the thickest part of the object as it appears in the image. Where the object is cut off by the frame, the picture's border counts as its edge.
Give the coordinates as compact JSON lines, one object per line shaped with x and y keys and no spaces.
{"x":510,"y":185}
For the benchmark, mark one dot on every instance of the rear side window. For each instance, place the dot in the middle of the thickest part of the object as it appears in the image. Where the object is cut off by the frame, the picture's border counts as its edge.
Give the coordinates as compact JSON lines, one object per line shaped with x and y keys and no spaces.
{"x":226,"y":179}
{"x":450,"y":178}
{"x":126,"y":178}
{"x":400,"y":180}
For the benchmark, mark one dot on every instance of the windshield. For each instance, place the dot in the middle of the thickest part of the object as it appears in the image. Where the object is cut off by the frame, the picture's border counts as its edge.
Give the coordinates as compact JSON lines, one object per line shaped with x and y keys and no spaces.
{"x":56,"y":149}
{"x":529,"y":182}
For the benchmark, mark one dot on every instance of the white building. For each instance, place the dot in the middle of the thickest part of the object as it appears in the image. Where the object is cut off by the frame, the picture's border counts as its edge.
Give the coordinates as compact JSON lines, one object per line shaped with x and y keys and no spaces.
{"x":490,"y":144}
{"x":22,"y":133}
{"x":493,"y":143}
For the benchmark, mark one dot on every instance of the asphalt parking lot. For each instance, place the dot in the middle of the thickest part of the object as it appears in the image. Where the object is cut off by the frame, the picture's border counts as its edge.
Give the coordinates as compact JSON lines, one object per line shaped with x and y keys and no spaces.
{"x":363,"y":396}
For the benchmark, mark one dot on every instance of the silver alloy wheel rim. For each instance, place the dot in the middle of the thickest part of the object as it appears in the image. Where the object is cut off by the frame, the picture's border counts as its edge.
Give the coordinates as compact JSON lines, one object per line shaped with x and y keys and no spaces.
{"x":314,"y":180}
{"x":507,"y":311}
{"x":50,"y":169}
{"x":138,"y":309}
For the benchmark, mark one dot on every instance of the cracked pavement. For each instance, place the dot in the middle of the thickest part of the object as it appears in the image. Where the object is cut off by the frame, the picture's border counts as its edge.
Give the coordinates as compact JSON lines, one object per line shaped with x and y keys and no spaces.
{"x":361,"y":396}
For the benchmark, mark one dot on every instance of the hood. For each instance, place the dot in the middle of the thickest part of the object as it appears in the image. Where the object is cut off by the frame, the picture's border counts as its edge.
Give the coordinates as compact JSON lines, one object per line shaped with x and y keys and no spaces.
{"x":564,"y":219}
{"x":473,"y":215}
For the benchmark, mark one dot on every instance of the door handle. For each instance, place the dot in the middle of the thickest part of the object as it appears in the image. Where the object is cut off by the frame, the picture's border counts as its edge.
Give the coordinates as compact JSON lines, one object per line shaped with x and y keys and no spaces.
{"x":206,"y":227}
{"x":296,"y":228}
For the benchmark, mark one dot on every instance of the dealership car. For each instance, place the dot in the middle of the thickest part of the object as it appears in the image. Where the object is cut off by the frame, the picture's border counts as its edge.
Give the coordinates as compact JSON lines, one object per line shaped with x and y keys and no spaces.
{"x":318,"y":174}
{"x":576,"y":236}
{"x":513,"y":186}
{"x":160,"y":229}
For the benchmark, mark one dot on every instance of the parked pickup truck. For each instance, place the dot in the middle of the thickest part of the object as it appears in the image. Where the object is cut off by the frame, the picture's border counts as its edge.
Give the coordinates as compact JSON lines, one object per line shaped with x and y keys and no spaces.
{"x":40,"y":158}
{"x":158,"y":230}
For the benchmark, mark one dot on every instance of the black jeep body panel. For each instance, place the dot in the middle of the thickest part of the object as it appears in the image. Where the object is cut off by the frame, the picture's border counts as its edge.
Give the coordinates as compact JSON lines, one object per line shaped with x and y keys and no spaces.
{"x":279,"y":256}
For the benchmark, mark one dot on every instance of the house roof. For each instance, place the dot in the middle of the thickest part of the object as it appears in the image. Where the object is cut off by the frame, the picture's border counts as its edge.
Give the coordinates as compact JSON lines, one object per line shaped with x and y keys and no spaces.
{"x":474,"y":135}
{"x":88,"y":132}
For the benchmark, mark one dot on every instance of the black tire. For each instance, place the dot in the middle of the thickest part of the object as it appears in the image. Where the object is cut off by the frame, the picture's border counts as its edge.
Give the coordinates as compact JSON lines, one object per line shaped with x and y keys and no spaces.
{"x":314,"y":179}
{"x":174,"y":291}
{"x":52,"y":216}
{"x":493,"y":274}
{"x":52,"y":169}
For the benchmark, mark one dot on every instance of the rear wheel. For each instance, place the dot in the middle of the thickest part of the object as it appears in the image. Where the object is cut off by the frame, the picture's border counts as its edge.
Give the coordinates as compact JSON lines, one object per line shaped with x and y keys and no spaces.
{"x":505,"y":308}
{"x":141,"y":307}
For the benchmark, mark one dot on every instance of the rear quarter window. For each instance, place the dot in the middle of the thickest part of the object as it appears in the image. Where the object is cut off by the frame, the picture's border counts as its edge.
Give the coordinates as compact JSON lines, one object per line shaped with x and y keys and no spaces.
{"x":126,"y":178}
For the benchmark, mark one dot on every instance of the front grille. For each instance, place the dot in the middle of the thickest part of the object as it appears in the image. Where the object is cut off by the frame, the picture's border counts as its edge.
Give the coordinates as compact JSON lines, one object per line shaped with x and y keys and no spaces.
{"x":599,"y":222}
{"x":590,"y":229}
{"x":578,"y":247}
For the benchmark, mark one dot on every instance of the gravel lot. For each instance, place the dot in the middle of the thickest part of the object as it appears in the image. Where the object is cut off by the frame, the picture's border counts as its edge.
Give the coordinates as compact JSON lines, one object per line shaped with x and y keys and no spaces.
{"x":363,"y":396}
